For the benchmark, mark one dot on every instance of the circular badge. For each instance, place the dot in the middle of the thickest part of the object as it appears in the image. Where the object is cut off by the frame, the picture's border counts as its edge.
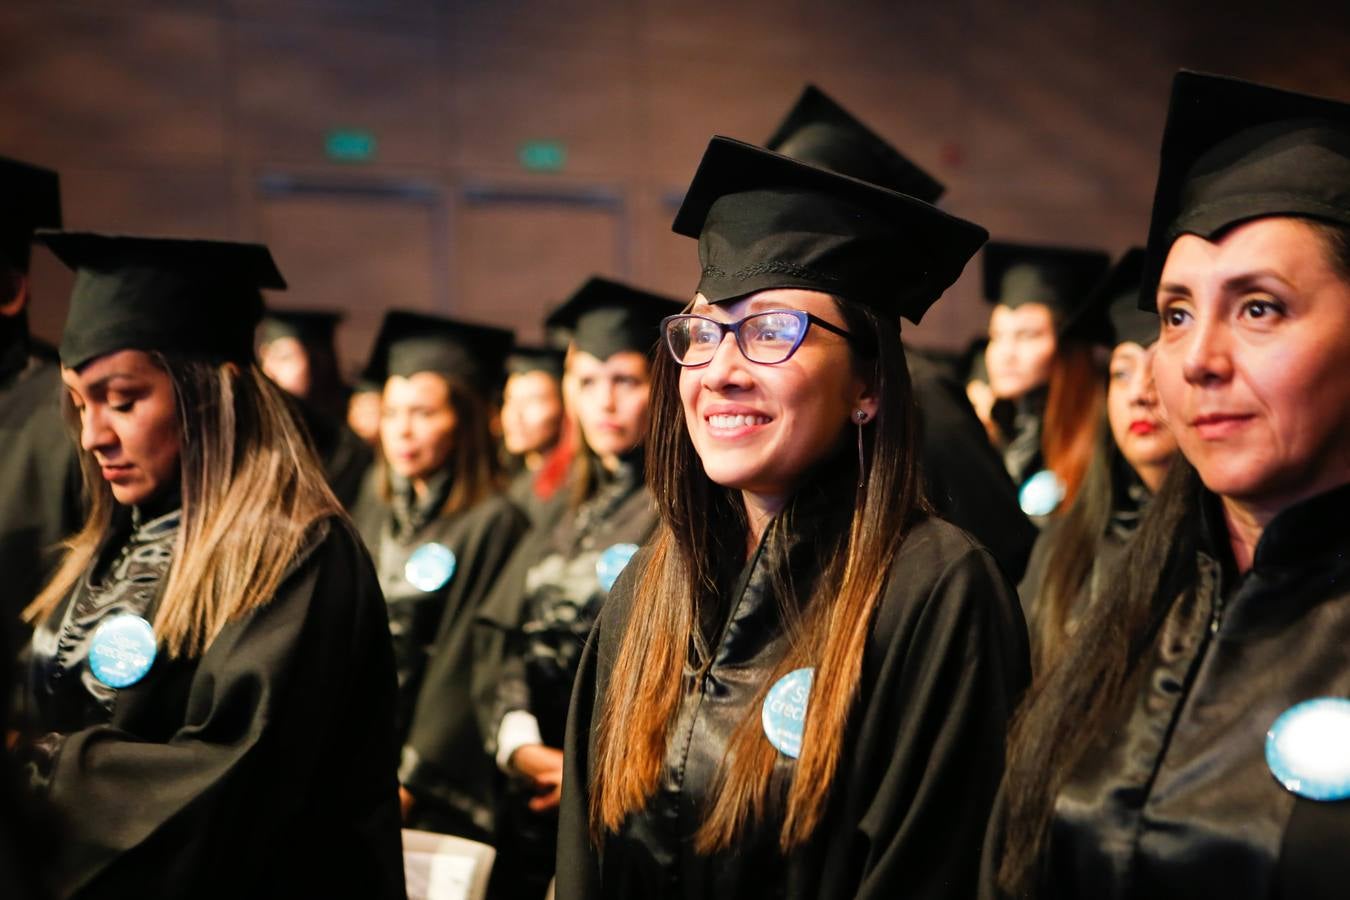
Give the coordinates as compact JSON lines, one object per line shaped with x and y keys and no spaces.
{"x":784,"y":713}
{"x":1308,"y":749}
{"x":430,"y":567}
{"x":1041,"y":493}
{"x":122,"y":651}
{"x":611,"y":563}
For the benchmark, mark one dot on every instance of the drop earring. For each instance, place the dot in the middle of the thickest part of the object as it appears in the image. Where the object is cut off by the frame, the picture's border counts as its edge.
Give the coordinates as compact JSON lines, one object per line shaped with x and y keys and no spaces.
{"x":860,"y":418}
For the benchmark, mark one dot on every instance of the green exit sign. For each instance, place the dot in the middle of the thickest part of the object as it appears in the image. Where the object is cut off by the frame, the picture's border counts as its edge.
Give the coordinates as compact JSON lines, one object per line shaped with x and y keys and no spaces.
{"x":543,"y":156}
{"x":349,"y":145}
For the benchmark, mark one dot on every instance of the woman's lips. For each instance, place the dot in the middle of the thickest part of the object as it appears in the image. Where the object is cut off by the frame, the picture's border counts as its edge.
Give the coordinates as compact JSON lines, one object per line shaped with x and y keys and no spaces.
{"x":117,"y":472}
{"x":1143,"y":427}
{"x":1217,"y":426}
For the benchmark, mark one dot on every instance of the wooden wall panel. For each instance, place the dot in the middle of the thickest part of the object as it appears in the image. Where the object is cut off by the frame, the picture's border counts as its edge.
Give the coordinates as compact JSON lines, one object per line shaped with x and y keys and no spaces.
{"x":507,"y":93}
{"x":93,"y":88}
{"x":296,"y":83}
{"x":518,"y":256}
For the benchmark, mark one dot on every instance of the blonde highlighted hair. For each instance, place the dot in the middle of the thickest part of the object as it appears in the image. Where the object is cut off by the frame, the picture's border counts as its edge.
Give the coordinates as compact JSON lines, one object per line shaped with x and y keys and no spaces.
{"x":252,"y":490}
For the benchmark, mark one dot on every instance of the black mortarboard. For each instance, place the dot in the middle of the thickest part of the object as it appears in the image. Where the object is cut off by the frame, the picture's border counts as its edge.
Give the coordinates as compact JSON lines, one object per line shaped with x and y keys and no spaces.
{"x":1058,"y":277}
{"x":819,"y":131}
{"x":31,"y":199}
{"x":1233,"y":151}
{"x":764,"y":220}
{"x":524,"y":360}
{"x":200,"y":298}
{"x":412,"y":342}
{"x":309,"y":326}
{"x":606,"y":317}
{"x":1119,"y":294}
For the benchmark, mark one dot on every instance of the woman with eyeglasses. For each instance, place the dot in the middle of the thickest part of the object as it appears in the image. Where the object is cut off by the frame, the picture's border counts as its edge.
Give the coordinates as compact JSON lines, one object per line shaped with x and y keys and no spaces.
{"x":1194,"y":739}
{"x":542,"y":608}
{"x":799,"y":687}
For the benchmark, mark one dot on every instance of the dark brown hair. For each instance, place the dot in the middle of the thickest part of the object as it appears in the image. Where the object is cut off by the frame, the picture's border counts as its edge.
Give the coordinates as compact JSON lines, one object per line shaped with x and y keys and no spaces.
{"x":702,"y":522}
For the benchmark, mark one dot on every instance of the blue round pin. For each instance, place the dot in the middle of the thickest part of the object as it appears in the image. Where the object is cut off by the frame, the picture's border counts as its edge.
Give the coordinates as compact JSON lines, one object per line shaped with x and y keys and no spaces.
{"x":1308,"y":749}
{"x":611,"y":563}
{"x":784,"y":713}
{"x":430,"y":567}
{"x":1041,"y":493}
{"x":122,"y":651}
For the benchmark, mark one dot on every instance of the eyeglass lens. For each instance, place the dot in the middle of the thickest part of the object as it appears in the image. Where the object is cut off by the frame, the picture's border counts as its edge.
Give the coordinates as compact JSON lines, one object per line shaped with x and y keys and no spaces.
{"x":765,"y":338}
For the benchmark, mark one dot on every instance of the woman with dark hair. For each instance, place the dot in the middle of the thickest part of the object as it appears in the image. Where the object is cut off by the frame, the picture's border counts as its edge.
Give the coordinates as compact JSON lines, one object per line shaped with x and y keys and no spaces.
{"x":1192,"y":739}
{"x":535,"y":427}
{"x":1042,"y":368}
{"x":544,"y":605}
{"x":440,"y":530}
{"x":215,"y":628}
{"x":799,"y":687}
{"x":1070,"y":561}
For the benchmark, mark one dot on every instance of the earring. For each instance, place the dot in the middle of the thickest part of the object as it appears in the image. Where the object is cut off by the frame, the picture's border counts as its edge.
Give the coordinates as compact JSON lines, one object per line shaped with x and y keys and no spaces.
{"x":860,"y":417}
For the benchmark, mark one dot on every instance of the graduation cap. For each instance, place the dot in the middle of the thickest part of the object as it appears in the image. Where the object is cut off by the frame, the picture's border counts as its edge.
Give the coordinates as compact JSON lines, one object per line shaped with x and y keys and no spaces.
{"x":177,"y":295}
{"x":313,"y":327}
{"x":1061,"y":278}
{"x":1119,"y":294}
{"x":764,"y":220}
{"x":605,"y":317}
{"x":819,"y":131}
{"x":524,"y":360}
{"x":31,"y":199}
{"x":412,"y":342}
{"x":1235,"y":150}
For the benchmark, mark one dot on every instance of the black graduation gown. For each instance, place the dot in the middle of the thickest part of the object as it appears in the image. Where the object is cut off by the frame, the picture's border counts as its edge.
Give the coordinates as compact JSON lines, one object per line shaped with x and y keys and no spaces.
{"x":943,"y":668}
{"x":40,"y":488}
{"x":522,"y":494}
{"x":540,"y":630}
{"x":264,"y":768}
{"x":1022,"y":422}
{"x":345,"y":457}
{"x":444,"y":763}
{"x":1182,"y":803}
{"x":563,"y":595}
{"x":1129,"y":499}
{"x":964,"y":478}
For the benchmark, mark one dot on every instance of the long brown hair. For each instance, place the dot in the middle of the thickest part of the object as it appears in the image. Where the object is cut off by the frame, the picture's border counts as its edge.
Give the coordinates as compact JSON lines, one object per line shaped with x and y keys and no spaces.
{"x":1073,"y":406}
{"x":702,"y":523}
{"x":474,"y":463}
{"x":1068,"y":706}
{"x":252,"y":489}
{"x":1068,"y":565}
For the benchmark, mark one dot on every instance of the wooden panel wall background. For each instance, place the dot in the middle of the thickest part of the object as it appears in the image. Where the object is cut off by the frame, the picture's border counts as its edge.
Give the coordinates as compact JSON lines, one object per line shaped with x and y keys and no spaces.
{"x":208,"y":117}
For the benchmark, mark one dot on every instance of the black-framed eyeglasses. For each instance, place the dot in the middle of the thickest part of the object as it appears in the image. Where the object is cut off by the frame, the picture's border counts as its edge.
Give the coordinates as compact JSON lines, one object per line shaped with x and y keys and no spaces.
{"x":767,"y":338}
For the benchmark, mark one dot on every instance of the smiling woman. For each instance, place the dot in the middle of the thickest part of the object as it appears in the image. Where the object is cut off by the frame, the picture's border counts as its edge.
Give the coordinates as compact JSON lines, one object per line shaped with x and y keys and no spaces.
{"x":214,"y":622}
{"x":1183,"y":745}
{"x":799,"y":687}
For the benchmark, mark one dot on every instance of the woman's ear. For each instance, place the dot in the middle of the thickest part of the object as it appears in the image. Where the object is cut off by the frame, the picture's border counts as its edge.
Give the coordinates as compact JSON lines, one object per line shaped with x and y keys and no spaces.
{"x":14,"y":304}
{"x":867,"y":401}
